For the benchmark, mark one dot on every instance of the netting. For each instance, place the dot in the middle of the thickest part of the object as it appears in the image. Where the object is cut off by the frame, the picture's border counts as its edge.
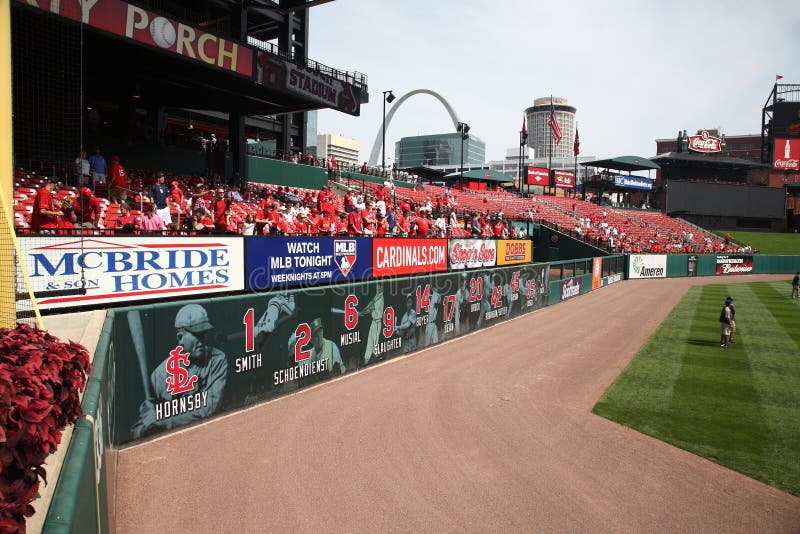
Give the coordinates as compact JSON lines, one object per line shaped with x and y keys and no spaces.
{"x":47,"y":76}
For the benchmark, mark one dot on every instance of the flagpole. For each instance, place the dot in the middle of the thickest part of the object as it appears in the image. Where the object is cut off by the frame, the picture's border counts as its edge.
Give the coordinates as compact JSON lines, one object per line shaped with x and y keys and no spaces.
{"x":575,"y":171}
{"x":550,"y":154}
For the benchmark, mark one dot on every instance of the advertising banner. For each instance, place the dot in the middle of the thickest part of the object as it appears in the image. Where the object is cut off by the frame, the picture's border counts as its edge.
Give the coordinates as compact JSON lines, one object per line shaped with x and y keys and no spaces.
{"x":125,"y":268}
{"x":150,"y":29}
{"x":738,"y":264}
{"x":564,"y":179}
{"x":538,"y":176}
{"x":786,"y":119}
{"x":392,"y":257}
{"x":633,"y":182}
{"x":648,"y":266}
{"x":570,"y":287}
{"x":786,"y":154}
{"x":705,"y":143}
{"x":471,"y":253}
{"x":273,"y":262}
{"x":513,"y":251}
{"x":180,"y":363}
{"x":308,"y":83}
{"x":597,"y":272}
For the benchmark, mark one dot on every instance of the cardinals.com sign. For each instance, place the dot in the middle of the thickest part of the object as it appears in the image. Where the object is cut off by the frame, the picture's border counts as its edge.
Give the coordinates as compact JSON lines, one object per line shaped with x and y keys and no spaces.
{"x":150,"y":29}
{"x":129,"y":268}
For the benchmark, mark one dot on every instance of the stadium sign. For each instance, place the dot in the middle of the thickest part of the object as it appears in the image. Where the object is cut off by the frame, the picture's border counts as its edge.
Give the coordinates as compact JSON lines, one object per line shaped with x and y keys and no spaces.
{"x":564,"y":179}
{"x":571,"y":287}
{"x":513,"y":251}
{"x":153,"y":30}
{"x":308,"y":83}
{"x":735,"y":264}
{"x":633,"y":182}
{"x":391,"y":257}
{"x":648,"y":266}
{"x":130,"y":268}
{"x":786,"y":154}
{"x":471,"y":253}
{"x":294,"y":261}
{"x":705,"y":143}
{"x":537,"y":176}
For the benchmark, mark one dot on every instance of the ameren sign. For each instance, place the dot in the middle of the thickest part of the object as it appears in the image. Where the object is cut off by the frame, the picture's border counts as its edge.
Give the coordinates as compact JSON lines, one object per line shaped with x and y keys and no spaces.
{"x":648,"y":266}
{"x":125,"y":268}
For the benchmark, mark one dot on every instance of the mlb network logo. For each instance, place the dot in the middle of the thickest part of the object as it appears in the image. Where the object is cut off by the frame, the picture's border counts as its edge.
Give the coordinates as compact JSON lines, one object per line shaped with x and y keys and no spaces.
{"x":344,"y":254}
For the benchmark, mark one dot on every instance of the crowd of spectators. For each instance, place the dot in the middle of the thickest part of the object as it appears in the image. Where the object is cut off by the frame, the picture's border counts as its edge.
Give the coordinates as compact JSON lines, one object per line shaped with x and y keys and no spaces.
{"x":176,"y":204}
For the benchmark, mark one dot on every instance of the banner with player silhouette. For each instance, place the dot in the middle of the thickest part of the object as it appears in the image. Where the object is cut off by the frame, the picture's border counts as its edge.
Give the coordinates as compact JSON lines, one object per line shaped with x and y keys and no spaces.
{"x":179,"y":363}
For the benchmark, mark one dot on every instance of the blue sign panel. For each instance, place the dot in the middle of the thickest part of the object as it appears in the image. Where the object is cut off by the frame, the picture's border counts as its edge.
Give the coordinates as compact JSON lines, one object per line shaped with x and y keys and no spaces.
{"x":633,"y":182}
{"x":273,"y":262}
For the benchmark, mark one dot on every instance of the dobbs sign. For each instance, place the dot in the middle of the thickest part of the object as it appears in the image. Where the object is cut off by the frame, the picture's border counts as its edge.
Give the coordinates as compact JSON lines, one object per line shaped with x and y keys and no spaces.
{"x":512,"y":251}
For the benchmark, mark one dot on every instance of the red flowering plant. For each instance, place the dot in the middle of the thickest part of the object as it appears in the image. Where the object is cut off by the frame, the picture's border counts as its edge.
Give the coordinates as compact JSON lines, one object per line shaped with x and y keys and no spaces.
{"x":40,"y":381}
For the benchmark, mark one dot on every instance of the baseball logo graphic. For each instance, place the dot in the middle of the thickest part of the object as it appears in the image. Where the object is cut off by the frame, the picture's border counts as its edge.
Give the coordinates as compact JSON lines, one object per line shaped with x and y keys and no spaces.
{"x":163,"y":32}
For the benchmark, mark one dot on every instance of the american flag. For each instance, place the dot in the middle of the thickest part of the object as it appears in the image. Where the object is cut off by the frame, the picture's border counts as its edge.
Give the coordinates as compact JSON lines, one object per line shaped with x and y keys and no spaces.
{"x":555,"y":128}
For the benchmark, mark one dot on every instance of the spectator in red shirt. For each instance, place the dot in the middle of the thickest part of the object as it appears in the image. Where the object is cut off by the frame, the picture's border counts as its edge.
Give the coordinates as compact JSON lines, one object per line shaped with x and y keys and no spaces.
{"x":46,"y":212}
{"x":355,"y":224}
{"x":87,"y":209}
{"x":348,"y":202}
{"x":423,"y":226}
{"x":126,"y":223}
{"x":118,"y":190}
{"x":498,"y":227}
{"x":219,"y":207}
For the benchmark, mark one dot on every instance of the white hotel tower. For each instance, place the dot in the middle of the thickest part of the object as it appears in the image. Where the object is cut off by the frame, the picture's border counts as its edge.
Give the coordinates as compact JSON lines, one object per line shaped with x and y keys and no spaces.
{"x":539,"y":130}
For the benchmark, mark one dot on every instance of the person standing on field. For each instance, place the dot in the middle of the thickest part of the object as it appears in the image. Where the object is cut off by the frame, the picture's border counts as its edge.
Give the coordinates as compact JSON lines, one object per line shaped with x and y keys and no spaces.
{"x":796,"y":286}
{"x":725,"y":325}
{"x":729,"y":302}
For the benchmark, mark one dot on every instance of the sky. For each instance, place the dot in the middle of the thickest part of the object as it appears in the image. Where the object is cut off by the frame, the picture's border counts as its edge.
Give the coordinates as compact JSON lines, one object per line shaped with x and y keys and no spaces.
{"x":635,"y":70}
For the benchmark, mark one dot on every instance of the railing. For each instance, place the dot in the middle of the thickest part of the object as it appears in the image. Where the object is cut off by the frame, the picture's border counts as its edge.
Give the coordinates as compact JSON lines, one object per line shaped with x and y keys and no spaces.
{"x":353,"y":78}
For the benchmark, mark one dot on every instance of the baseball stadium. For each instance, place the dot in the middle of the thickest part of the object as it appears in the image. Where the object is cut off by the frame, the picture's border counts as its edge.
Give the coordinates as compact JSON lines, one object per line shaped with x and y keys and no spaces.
{"x":206,"y":327}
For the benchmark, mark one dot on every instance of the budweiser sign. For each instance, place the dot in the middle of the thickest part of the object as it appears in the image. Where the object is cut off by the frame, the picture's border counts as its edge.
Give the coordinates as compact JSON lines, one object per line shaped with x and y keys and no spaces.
{"x":734,"y":264}
{"x":786,"y":154}
{"x":705,"y":143}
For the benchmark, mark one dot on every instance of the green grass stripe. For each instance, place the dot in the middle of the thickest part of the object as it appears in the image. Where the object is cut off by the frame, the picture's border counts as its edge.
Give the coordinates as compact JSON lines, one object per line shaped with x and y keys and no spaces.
{"x":772,"y":342}
{"x":658,"y":374}
{"x":766,"y":242}
{"x":740,"y":406}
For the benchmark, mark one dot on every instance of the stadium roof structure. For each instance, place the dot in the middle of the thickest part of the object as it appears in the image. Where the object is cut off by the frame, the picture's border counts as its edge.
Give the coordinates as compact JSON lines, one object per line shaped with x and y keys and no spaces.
{"x":624,"y":163}
{"x":483,"y":174}
{"x":684,"y":159}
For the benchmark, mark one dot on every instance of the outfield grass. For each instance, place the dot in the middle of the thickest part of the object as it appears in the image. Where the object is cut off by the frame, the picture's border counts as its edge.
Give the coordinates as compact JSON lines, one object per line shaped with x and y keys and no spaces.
{"x":738,"y":407}
{"x":766,"y":242}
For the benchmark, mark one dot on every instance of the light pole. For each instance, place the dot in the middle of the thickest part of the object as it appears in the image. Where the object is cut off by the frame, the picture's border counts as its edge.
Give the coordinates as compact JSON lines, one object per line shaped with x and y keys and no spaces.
{"x":388,"y":96}
{"x":463,"y":127}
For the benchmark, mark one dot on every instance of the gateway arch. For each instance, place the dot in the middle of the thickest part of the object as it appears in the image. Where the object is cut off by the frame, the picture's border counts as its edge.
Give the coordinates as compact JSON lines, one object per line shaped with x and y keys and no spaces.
{"x":376,"y":148}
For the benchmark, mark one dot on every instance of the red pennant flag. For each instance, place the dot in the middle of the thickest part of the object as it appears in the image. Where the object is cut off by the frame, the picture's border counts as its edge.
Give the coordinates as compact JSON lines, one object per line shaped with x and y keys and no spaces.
{"x":576,"y":149}
{"x":778,"y":77}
